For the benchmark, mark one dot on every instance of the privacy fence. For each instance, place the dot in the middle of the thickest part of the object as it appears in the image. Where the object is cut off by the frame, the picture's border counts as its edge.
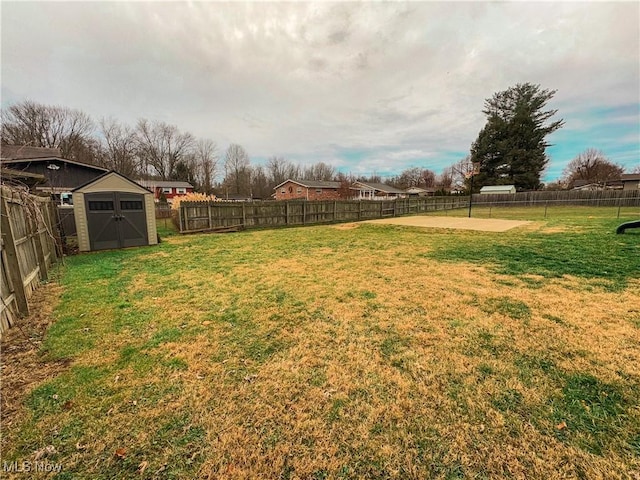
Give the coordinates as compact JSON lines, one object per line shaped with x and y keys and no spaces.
{"x":219,"y":216}
{"x":28,"y":249}
{"x":203,"y":216}
{"x":604,"y":198}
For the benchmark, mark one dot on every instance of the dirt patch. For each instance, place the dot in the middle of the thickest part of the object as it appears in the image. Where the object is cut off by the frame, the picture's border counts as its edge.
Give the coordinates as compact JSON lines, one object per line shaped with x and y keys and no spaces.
{"x":459,"y":223}
{"x":346,"y":226}
{"x":21,"y":364}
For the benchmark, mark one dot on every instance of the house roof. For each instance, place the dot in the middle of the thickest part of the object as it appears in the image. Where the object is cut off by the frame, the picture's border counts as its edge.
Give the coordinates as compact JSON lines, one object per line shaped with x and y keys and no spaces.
{"x":380,"y":187}
{"x":15,"y":161}
{"x":311,"y":183}
{"x":164,"y":183}
{"x":25,"y":151}
{"x":630,"y":177}
{"x":496,"y":188}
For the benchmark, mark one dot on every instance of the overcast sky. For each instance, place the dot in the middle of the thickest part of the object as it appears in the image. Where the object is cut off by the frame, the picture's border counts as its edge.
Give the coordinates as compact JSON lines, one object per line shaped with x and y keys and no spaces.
{"x":366,"y":87}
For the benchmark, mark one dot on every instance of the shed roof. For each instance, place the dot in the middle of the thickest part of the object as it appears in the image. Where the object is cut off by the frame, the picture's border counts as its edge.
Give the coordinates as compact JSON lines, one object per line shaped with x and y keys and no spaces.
{"x":108,"y":174}
{"x":630,"y":177}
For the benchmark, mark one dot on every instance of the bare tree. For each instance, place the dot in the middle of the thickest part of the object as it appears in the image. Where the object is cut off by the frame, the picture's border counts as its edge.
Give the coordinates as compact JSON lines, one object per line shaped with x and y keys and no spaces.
{"x":119,"y":148}
{"x":237,"y":169}
{"x":461,"y":172}
{"x":38,"y":125}
{"x":261,"y":187}
{"x":592,"y":166}
{"x":444,"y":181}
{"x":206,"y":164}
{"x":319,"y":171}
{"x":346,"y":182}
{"x":162,"y":146}
{"x":428,"y":178}
{"x":280,"y":170}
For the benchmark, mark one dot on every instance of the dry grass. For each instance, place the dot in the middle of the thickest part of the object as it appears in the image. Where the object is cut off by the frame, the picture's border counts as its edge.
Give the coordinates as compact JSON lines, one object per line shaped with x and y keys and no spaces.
{"x":335,"y":352}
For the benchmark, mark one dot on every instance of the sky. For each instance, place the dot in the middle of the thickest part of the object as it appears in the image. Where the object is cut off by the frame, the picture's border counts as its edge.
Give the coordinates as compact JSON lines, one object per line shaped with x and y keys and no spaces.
{"x":370,"y":88}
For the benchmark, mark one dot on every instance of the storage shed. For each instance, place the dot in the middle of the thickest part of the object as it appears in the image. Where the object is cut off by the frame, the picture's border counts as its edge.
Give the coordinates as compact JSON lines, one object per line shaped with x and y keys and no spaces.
{"x":113,"y":211}
{"x":497,"y":189}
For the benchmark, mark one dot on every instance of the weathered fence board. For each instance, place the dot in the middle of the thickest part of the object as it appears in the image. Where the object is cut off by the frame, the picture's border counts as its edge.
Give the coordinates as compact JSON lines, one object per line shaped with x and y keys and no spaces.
{"x":28,"y":249}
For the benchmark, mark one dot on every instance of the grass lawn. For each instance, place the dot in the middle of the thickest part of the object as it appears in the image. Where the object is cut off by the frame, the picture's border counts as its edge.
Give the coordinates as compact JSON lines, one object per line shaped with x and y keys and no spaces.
{"x":346,"y":351}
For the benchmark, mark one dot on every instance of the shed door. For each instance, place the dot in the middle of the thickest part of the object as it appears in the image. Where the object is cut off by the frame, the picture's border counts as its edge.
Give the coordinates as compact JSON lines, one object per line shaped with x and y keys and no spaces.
{"x":116,"y":220}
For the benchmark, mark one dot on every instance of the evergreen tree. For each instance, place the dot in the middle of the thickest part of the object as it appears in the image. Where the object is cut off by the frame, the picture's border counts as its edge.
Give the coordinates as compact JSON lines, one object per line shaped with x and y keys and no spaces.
{"x":511,"y":147}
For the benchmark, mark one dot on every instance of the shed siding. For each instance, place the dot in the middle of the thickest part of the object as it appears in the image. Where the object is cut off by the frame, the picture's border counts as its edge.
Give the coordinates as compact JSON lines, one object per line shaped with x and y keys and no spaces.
{"x":80,"y":213}
{"x":151,"y":218}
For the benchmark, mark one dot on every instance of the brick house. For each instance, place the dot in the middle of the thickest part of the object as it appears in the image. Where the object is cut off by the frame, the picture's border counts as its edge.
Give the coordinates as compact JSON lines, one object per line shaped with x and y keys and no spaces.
{"x":307,"y":190}
{"x":170,"y":189}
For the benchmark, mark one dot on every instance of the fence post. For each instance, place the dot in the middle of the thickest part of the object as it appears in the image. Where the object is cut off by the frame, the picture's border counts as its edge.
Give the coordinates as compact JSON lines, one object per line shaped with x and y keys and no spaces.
{"x":210,"y":214}
{"x":244,"y":215}
{"x":335,"y":210}
{"x":304,"y":212}
{"x":35,"y":237}
{"x":13,"y":264}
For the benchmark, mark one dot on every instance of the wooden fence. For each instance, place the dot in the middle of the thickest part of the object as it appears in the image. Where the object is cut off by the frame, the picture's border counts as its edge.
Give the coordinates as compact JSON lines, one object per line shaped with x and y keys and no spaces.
{"x":604,"y":198}
{"x":27,"y":250}
{"x":203,"y":216}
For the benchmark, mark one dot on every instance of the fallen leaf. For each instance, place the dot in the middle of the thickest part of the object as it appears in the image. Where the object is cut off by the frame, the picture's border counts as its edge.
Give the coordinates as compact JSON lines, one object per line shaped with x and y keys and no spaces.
{"x":68,"y":405}
{"x":561,"y":426}
{"x":121,"y":452}
{"x":43,"y":452}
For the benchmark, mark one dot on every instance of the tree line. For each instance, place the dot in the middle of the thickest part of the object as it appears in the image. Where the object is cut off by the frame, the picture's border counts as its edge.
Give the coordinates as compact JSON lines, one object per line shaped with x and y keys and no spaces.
{"x":158,"y":150}
{"x":510,"y":149}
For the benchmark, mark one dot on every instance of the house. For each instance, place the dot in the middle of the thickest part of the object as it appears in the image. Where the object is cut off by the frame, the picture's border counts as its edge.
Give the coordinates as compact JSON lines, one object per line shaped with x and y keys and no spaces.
{"x":308,"y":190}
{"x":420,"y":192}
{"x":376,"y":191}
{"x":60,"y":174}
{"x":170,"y":189}
{"x":630,"y":181}
{"x":497,"y":189}
{"x":584,"y":186}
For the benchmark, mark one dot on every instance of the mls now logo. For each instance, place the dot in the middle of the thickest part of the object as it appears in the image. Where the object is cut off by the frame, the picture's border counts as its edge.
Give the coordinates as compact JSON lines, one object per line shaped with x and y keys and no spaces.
{"x":24,"y":467}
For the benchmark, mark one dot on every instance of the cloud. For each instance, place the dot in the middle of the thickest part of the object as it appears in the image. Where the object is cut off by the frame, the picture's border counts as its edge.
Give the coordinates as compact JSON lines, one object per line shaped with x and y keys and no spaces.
{"x":403,"y":82}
